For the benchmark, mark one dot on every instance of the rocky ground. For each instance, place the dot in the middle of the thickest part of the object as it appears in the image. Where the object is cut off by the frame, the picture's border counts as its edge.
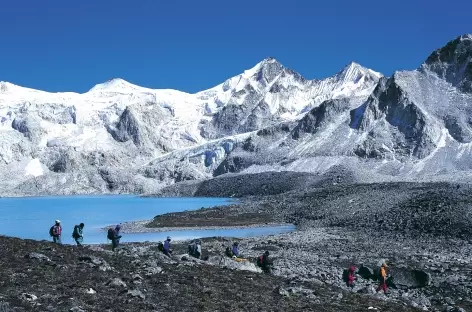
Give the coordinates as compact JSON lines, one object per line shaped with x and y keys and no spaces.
{"x":423,"y":229}
{"x":40,"y":276}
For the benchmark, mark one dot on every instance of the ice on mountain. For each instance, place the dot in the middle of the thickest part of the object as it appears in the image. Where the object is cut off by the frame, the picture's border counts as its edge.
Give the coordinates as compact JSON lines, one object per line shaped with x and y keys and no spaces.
{"x":34,"y":168}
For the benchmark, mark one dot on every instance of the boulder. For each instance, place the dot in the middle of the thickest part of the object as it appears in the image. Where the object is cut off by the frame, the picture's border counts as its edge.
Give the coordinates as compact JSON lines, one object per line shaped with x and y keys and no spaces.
{"x":28,"y":297}
{"x":282,"y":291}
{"x":152,"y":271}
{"x":117,"y":283}
{"x":37,"y":256}
{"x":135,"y":293}
{"x":366,"y":272}
{"x":235,"y":265}
{"x":410,"y":278}
{"x":96,"y":262}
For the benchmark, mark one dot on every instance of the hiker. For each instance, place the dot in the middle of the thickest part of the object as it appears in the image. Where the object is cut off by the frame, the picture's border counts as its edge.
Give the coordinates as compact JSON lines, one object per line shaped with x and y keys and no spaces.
{"x":383,"y":278}
{"x":195,"y":249}
{"x":166,"y":248}
{"x":235,"y":249}
{"x":56,"y":231}
{"x":114,"y":236}
{"x":78,"y":234}
{"x":228,"y":252}
{"x":349,"y":277}
{"x":264,"y":263}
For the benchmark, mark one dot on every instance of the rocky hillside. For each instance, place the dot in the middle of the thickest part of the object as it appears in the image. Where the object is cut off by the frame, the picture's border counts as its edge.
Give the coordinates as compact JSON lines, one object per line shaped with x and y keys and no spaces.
{"x":39,"y":276}
{"x":119,"y":137}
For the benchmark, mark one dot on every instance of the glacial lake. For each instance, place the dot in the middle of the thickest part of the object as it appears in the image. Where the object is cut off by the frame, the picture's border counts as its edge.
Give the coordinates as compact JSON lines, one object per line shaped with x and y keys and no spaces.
{"x":31,"y":217}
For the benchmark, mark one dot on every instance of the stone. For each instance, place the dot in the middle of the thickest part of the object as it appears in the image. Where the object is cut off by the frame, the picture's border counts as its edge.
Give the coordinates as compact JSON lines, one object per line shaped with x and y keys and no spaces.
{"x":28,"y":297}
{"x":282,"y":291}
{"x":136,"y":294}
{"x":76,"y":309}
{"x":117,"y":283}
{"x":366,"y":272}
{"x":90,"y":291}
{"x":37,"y":256}
{"x":96,"y":262}
{"x":137,"y":277}
{"x":105,"y":267}
{"x":421,"y":300}
{"x":152,"y":271}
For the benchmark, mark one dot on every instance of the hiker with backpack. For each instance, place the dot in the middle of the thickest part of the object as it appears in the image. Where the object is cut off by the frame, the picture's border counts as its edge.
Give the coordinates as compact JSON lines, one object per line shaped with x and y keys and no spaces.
{"x":235,"y":249}
{"x":114,"y":236}
{"x":56,"y":231}
{"x":78,"y":234}
{"x":349,"y":277}
{"x":195,"y":249}
{"x":264,"y":262}
{"x":383,"y":278}
{"x":166,"y":247}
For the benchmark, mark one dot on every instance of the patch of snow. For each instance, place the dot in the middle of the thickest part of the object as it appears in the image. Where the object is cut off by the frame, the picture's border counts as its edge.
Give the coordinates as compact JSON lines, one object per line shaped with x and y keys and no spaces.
{"x":34,"y":168}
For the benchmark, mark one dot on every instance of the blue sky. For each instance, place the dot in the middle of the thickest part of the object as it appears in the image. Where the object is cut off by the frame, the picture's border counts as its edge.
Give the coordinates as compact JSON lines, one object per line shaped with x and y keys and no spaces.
{"x":194,"y":45}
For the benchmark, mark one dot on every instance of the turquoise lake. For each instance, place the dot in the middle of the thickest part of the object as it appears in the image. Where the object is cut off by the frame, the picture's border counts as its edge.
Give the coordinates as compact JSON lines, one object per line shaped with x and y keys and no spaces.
{"x":31,"y":217}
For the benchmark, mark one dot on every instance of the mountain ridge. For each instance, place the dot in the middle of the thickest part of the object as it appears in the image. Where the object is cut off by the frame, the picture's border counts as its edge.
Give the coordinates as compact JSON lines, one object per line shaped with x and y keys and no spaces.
{"x":120,"y":137}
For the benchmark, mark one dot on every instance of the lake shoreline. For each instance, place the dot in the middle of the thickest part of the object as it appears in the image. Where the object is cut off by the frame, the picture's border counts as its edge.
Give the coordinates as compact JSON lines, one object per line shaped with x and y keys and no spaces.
{"x":133,"y":227}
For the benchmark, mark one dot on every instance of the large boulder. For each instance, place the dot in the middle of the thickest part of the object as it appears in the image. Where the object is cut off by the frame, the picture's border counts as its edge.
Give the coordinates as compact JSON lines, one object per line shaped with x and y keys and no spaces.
{"x":410,"y":278}
{"x":233,"y":264}
{"x":366,"y":272}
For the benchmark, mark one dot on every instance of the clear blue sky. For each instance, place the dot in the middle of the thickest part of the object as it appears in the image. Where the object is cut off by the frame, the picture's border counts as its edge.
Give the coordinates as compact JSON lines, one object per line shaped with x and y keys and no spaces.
{"x":71,"y":45}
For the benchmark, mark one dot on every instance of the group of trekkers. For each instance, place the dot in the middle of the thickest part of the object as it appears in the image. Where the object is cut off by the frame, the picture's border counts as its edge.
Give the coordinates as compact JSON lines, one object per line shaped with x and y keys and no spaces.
{"x":349,"y":277}
{"x":262,"y":261}
{"x":55,"y":232}
{"x":195,"y":250}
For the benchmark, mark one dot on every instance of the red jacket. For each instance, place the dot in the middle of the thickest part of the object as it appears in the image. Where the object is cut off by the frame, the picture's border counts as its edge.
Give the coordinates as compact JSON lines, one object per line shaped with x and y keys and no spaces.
{"x":351,"y":277}
{"x":57,"y":230}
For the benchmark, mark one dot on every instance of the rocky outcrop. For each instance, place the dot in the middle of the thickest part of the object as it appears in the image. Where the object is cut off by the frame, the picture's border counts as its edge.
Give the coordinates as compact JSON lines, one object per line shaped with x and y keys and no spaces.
{"x":234,"y":164}
{"x":392,"y":118}
{"x":29,"y":127}
{"x":127,"y":128}
{"x":320,"y":116}
{"x":453,"y":63}
{"x":459,"y":127}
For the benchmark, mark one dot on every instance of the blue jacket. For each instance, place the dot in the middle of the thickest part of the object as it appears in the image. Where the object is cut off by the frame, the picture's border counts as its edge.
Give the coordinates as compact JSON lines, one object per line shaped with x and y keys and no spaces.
{"x":166,"y":245}
{"x":235,"y":250}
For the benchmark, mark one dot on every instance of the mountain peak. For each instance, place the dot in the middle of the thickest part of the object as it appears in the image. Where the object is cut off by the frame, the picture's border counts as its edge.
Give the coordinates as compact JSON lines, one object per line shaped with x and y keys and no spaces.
{"x":466,"y":37}
{"x":354,"y":71}
{"x":453,"y":62}
{"x":115,"y":84}
{"x":264,"y":67}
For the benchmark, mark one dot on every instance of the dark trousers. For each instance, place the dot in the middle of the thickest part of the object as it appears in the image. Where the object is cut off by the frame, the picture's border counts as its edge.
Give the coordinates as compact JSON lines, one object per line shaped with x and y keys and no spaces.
{"x":266,"y":269}
{"x":114,"y":244}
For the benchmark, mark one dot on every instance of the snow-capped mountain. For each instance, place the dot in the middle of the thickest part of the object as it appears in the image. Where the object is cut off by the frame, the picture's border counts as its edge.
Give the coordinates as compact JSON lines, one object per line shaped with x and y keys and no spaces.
{"x":120,"y":137}
{"x":269,"y":93}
